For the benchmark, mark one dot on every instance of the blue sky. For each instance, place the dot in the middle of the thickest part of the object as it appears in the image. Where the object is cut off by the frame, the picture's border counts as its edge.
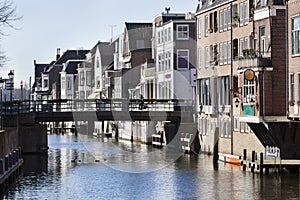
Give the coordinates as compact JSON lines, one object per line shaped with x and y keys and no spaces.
{"x":71,"y":24}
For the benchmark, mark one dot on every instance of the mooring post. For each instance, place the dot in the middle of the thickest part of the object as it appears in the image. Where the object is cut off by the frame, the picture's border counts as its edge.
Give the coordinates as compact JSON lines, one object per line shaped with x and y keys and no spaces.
{"x":244,"y":160}
{"x":6,"y":163}
{"x":261,"y":166}
{"x":1,"y":167}
{"x":252,"y":161}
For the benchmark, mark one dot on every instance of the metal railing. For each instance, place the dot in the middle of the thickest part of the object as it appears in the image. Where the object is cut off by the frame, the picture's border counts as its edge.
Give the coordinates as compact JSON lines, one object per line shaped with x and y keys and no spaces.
{"x":74,"y":105}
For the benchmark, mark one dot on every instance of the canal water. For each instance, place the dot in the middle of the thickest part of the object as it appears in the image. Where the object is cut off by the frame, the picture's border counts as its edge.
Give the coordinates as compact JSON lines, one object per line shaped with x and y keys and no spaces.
{"x":86,"y":168}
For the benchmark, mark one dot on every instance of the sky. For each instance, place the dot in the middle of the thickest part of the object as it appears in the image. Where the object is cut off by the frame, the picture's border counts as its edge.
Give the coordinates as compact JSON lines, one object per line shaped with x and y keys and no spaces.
{"x":71,"y":24}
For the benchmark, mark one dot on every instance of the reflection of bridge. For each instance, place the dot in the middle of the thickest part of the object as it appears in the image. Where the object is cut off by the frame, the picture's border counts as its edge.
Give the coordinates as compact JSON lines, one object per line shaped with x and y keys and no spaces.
{"x":103,"y":109}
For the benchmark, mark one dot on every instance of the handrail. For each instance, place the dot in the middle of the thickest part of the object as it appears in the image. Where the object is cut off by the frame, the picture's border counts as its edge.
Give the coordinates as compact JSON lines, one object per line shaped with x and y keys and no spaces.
{"x":74,"y":105}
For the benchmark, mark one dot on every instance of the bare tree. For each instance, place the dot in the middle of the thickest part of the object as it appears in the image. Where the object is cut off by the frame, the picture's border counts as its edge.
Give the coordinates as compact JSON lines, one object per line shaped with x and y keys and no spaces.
{"x":7,"y":17}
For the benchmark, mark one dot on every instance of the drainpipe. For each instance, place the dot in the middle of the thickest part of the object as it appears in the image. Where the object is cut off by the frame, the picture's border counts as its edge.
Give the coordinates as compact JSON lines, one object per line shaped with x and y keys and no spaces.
{"x":287,"y":57}
{"x":232,"y":84}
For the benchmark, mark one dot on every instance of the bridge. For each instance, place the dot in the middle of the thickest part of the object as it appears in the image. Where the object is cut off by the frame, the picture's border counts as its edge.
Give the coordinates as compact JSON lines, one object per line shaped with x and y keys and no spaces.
{"x":62,"y":110}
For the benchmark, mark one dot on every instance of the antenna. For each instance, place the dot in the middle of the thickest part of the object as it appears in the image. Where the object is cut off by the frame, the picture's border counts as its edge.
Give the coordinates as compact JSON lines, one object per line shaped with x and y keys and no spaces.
{"x":112,"y":30}
{"x":168,"y":9}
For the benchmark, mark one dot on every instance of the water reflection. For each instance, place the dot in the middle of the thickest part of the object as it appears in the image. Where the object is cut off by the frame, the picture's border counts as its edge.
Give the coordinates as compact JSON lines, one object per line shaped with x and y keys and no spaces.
{"x":70,"y":172}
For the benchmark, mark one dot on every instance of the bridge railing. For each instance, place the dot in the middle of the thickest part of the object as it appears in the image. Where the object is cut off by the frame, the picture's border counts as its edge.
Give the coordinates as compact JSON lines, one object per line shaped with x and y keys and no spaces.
{"x":73,"y":105}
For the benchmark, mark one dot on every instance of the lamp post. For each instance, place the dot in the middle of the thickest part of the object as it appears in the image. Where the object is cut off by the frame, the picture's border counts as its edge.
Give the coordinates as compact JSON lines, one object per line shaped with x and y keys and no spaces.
{"x":11,"y":83}
{"x":1,"y":85}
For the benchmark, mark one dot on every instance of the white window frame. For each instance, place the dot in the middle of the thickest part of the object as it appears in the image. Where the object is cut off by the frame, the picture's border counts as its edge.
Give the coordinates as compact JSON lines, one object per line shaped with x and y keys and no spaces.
{"x":221,"y":53}
{"x":199,"y":27}
{"x":295,"y":36}
{"x":229,"y":52}
{"x":206,"y":25}
{"x":225,"y":53}
{"x":236,"y":124}
{"x":241,"y":13}
{"x":248,"y":92}
{"x":246,"y":13}
{"x":206,"y":56}
{"x":221,"y":20}
{"x":182,"y":34}
{"x":229,"y":18}
{"x":199,"y":57}
{"x":225,"y":19}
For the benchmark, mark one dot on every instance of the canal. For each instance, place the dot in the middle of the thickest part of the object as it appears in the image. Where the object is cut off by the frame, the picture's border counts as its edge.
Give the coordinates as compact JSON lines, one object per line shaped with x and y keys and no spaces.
{"x":86,"y":168}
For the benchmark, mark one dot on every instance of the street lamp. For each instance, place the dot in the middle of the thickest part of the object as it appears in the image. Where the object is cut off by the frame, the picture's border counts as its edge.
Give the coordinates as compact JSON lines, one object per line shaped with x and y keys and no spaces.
{"x":1,"y":85}
{"x":11,"y":82}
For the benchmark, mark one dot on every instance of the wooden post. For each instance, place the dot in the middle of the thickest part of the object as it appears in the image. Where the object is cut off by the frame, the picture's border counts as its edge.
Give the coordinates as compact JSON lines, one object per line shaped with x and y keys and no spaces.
{"x":1,"y":167}
{"x":261,"y":167}
{"x":252,"y":161}
{"x":244,"y":160}
{"x":6,"y":163}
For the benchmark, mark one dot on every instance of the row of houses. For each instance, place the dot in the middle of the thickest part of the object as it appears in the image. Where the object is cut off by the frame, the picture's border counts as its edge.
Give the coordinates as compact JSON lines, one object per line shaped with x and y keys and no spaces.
{"x":236,"y":59}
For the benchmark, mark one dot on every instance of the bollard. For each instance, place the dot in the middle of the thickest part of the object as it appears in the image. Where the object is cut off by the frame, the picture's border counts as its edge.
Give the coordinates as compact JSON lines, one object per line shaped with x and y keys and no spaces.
{"x":17,"y":155}
{"x":20,"y":152}
{"x":1,"y":167}
{"x":245,"y":154}
{"x":252,"y":160}
{"x":6,"y":163}
{"x":261,"y":169}
{"x":10,"y":160}
{"x":14,"y":157}
{"x":244,"y":159}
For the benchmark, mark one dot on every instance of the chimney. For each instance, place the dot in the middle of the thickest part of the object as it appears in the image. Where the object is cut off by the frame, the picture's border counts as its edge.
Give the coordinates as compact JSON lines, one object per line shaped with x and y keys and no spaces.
{"x":57,"y":53}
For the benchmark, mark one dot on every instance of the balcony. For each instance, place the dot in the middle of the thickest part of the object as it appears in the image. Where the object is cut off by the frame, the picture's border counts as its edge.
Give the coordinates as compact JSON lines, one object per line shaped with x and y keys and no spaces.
{"x":253,"y":61}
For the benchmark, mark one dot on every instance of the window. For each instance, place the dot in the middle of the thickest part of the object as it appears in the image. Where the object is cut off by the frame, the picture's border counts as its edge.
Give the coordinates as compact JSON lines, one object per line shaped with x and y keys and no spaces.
{"x":206,"y":25}
{"x":241,"y":46}
{"x":199,"y":57}
{"x":215,"y":21}
{"x":204,"y":92}
{"x":224,"y":90}
{"x":166,"y":35}
{"x":221,"y":54}
{"x":88,"y":78}
{"x":169,"y":33}
{"x":69,"y":83}
{"x":296,"y":36}
{"x":246,"y":13}
{"x":229,"y":52}
{"x":236,"y":124}
{"x":183,"y":59}
{"x":248,"y":91}
{"x":211,"y":54}
{"x":225,"y":19}
{"x":98,"y":62}
{"x":159,"y":63}
{"x":241,"y":14}
{"x":63,"y":82}
{"x":158,"y":37}
{"x":162,"y":36}
{"x":225,"y":53}
{"x":199,"y":27}
{"x":229,"y":18}
{"x":81,"y":76}
{"x":262,"y":41}
{"x":210,"y":23}
{"x":206,"y":57}
{"x":292,"y":85}
{"x":182,"y":32}
{"x":221,"y":20}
